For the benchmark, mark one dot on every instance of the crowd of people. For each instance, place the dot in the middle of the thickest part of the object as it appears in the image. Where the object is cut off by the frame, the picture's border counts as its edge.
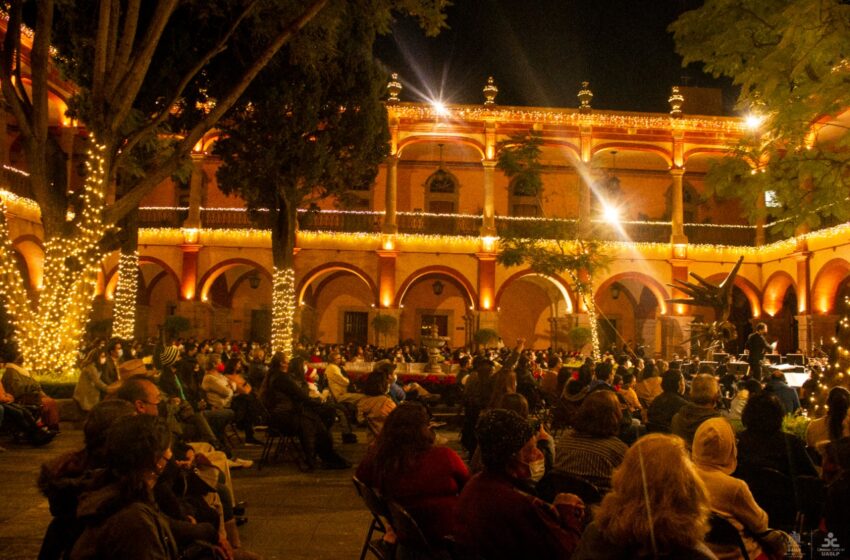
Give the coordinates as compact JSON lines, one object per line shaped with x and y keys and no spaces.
{"x":622,"y":457}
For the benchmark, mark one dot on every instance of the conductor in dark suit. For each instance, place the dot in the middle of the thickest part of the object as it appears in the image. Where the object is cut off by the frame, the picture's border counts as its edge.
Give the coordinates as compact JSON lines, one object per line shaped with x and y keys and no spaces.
{"x":756,"y":347}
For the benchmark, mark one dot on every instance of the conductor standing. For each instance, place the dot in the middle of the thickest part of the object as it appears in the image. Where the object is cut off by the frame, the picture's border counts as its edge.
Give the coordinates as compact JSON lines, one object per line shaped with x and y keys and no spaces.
{"x":756,"y":347}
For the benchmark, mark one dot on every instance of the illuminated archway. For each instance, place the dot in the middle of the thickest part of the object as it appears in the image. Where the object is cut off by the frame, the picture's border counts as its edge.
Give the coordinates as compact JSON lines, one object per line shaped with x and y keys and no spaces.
{"x":825,"y":286}
{"x":436,"y":271}
{"x":210,"y":276}
{"x":774,"y":292}
{"x":331,"y":267}
{"x":748,"y":288}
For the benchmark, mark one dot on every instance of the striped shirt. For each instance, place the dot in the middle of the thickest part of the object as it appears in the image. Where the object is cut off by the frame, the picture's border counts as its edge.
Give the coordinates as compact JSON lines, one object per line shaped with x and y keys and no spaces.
{"x":591,"y":458}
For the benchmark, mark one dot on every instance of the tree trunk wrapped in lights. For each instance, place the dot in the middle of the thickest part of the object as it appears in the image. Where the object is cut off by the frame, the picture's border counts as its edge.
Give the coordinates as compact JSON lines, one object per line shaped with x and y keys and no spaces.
{"x":48,"y":331}
{"x":124,"y":306}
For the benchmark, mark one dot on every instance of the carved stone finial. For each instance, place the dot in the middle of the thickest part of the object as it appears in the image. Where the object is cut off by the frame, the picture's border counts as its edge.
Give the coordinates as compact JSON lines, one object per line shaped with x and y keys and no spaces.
{"x":584,"y":97}
{"x":394,"y":88}
{"x":676,"y":101}
{"x":490,"y":92}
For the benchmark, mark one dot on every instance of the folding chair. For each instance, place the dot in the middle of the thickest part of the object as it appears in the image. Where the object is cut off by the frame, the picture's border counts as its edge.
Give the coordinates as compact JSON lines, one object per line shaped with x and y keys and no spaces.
{"x":378,"y":508}
{"x":724,"y":534}
{"x":282,"y":444}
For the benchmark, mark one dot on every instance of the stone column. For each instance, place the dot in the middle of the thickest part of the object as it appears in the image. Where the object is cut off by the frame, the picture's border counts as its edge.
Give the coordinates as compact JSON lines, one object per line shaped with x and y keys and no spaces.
{"x":189,"y":272}
{"x":584,"y":216}
{"x":488,"y":228}
{"x":486,"y":281}
{"x":677,"y":211}
{"x":386,"y":278}
{"x":196,"y":185}
{"x":390,"y":225}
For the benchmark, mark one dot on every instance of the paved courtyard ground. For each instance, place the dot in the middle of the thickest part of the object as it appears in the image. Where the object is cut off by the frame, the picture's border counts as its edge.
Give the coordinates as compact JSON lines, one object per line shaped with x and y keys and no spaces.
{"x":292,"y":515}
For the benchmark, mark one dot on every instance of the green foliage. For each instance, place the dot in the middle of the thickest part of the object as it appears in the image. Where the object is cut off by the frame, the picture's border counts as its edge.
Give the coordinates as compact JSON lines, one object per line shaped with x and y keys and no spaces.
{"x":796,"y":425}
{"x":176,"y":324}
{"x":790,"y":59}
{"x":384,"y":324}
{"x":519,"y":160}
{"x":306,"y":132}
{"x":579,"y":337}
{"x":483,"y":337}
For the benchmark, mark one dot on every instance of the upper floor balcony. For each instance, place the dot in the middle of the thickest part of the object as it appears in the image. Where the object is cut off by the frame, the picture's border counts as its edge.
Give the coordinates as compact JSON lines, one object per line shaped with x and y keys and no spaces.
{"x":422,"y":223}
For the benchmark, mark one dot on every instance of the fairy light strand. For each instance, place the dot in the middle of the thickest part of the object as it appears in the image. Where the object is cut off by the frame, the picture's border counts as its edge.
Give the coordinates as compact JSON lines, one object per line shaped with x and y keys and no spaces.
{"x":124,"y":307}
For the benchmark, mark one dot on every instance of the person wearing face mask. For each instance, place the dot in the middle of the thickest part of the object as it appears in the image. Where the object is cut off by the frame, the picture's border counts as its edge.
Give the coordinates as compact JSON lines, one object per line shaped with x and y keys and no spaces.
{"x":119,"y":515}
{"x":114,"y":355}
{"x":496,"y":515}
{"x":404,"y":465}
{"x":90,"y":388}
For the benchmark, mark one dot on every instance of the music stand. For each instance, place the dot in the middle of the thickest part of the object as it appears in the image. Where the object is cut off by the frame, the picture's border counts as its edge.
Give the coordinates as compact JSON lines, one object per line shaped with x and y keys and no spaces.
{"x":773,"y":359}
{"x":795,"y":359}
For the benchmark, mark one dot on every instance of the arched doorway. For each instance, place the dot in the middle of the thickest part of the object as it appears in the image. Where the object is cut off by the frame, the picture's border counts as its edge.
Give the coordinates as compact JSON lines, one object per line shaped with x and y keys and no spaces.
{"x":534,"y":307}
{"x":239,"y":292}
{"x":436,"y":296}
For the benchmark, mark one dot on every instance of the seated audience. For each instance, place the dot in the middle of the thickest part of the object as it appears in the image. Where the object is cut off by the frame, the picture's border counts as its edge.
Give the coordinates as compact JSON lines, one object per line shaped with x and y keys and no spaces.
{"x":292,"y":411}
{"x":19,"y":382}
{"x":764,"y":444}
{"x":837,"y":508}
{"x":496,"y":516}
{"x":668,"y":403}
{"x":404,"y":465}
{"x":90,"y":388}
{"x":64,"y":478}
{"x":119,"y":516}
{"x":658,"y":507}
{"x":704,"y":395}
{"x":787,"y":395}
{"x":715,"y":455}
{"x":591,"y":449}
{"x":649,"y":386}
{"x":746,"y":389}
{"x":245,"y":405}
{"x":374,"y":408}
{"x":836,"y":423}
{"x":23,"y":424}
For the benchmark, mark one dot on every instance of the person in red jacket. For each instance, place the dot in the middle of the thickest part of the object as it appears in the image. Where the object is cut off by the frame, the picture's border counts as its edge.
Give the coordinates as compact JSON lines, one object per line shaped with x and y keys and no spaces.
{"x":404,"y":465}
{"x":496,"y":516}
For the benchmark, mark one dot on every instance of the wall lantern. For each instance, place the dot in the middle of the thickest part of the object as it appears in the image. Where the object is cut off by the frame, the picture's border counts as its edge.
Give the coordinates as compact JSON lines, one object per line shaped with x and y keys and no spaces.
{"x":437,"y":287}
{"x":254,"y":280}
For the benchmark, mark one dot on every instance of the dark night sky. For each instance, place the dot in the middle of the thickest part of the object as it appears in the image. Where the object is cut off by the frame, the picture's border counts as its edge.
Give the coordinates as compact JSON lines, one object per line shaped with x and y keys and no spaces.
{"x":539,"y":51}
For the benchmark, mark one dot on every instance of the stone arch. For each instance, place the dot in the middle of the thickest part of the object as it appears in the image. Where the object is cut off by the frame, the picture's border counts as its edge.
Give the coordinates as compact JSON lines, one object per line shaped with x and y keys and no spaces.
{"x":31,"y":250}
{"x":437,"y":138}
{"x":438,"y":270}
{"x":110,"y":278}
{"x":826,"y":284}
{"x":774,"y":291}
{"x":665,"y":154}
{"x":311,"y":276}
{"x":650,"y":283}
{"x":220,"y":268}
{"x":750,"y":290}
{"x":559,"y":283}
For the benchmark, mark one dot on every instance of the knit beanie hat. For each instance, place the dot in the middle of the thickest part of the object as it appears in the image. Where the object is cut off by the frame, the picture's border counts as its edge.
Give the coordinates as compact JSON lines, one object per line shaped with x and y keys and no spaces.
{"x":168,"y":356}
{"x":501,"y":433}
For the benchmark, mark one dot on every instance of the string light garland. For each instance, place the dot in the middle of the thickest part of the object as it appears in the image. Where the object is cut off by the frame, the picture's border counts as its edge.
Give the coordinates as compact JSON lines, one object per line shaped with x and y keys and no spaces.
{"x":124,"y":307}
{"x":48,"y":331}
{"x":283,"y":310}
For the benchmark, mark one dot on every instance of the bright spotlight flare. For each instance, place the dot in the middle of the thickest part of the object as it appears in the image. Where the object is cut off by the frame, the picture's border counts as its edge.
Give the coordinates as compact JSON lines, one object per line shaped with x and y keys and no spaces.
{"x":754,"y":121}
{"x":610,"y":213}
{"x":440,"y":108}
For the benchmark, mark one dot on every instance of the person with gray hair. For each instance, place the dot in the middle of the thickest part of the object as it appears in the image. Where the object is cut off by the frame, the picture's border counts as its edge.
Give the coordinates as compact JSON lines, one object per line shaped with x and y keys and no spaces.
{"x":704,"y":394}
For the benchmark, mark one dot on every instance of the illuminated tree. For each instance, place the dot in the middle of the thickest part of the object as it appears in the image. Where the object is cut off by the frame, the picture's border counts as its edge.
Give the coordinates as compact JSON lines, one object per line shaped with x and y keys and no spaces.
{"x":153,"y":78}
{"x":303,"y":134}
{"x":790,"y":60}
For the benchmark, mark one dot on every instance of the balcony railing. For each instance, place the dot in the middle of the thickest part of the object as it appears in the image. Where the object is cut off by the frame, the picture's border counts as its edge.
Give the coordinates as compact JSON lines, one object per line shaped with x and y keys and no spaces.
{"x":421,"y":223}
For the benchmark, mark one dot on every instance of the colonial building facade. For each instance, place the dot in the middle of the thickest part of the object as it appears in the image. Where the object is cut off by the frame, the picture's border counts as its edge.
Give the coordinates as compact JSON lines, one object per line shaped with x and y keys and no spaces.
{"x":421,"y":244}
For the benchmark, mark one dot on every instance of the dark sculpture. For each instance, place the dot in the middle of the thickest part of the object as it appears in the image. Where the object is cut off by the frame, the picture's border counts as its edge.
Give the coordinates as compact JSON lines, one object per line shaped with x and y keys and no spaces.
{"x":712,"y":336}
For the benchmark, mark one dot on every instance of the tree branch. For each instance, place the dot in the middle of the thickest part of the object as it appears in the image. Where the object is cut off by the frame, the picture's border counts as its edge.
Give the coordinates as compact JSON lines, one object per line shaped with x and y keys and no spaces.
{"x":100,"y":48}
{"x":11,"y":45}
{"x":114,"y":22}
{"x":128,"y":37}
{"x":121,"y":99}
{"x":135,"y":195}
{"x":141,"y":132}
